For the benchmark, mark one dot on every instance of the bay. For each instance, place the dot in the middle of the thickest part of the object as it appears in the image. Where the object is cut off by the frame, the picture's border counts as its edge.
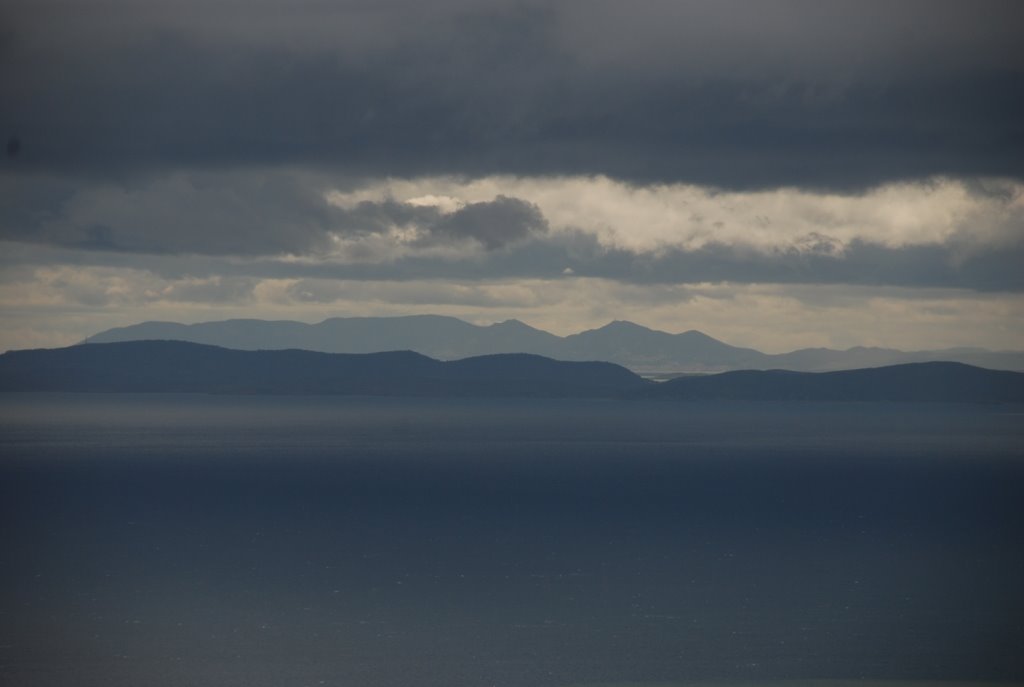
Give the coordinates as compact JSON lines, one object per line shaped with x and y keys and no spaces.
{"x":224,"y":540}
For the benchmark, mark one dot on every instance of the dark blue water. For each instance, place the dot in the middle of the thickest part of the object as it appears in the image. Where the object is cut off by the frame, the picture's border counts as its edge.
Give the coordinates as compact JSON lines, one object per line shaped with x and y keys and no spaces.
{"x":193,"y":540}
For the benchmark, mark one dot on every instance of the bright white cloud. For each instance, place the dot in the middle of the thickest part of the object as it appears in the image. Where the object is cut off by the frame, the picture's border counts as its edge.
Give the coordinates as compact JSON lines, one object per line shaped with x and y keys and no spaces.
{"x":445,"y":204}
{"x":296,"y":215}
{"x":679,"y":215}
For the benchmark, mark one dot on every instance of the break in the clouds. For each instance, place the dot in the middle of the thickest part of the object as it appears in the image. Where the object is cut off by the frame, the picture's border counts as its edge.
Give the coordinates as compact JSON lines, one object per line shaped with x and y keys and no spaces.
{"x":565,"y":163}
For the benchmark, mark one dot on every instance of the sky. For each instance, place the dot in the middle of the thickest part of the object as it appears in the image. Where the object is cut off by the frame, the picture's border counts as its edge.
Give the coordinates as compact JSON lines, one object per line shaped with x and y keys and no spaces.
{"x":778,"y":174}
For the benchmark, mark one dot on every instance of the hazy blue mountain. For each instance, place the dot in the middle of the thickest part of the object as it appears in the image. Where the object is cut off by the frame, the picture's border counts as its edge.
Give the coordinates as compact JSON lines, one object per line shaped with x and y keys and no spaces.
{"x":825,"y":359}
{"x":445,"y":338}
{"x":448,"y":338}
{"x":649,"y":349}
{"x":935,"y":381}
{"x":178,"y":366}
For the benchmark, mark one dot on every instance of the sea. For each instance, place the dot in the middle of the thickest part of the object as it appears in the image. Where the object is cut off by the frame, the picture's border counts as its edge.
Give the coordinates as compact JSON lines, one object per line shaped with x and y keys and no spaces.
{"x":199,"y":540}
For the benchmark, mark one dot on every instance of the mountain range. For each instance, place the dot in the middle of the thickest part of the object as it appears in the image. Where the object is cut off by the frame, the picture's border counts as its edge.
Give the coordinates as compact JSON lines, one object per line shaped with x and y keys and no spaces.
{"x":177,"y":366}
{"x":625,"y":343}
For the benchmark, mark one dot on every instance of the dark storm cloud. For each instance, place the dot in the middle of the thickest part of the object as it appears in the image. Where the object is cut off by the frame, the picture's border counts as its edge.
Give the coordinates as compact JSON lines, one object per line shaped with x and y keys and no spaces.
{"x":493,"y":224}
{"x":835,"y":95}
{"x":241,"y":214}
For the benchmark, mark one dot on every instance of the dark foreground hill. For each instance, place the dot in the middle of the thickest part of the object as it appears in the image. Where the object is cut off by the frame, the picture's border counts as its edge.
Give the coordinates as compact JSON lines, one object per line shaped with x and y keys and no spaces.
{"x":176,"y":366}
{"x":937,"y":381}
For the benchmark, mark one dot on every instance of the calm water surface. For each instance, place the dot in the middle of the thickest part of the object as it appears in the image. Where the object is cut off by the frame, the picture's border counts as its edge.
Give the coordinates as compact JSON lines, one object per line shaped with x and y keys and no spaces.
{"x":202,"y":540}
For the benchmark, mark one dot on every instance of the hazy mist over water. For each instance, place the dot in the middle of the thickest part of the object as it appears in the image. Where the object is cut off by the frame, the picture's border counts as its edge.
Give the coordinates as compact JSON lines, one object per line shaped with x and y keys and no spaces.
{"x":204,"y":540}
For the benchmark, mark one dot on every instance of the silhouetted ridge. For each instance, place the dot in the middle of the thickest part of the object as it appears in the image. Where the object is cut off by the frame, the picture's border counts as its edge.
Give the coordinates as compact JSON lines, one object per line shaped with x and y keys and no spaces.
{"x":175,"y":366}
{"x":935,"y":381}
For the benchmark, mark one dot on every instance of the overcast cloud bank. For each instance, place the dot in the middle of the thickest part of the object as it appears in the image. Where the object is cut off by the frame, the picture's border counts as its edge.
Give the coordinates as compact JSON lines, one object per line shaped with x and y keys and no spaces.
{"x":548,"y":161}
{"x":728,"y":94}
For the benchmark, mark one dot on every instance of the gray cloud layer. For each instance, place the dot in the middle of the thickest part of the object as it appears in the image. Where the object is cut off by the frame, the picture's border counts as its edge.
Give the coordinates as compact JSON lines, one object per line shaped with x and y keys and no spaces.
{"x":493,"y":224}
{"x":242,"y":223}
{"x":837,"y":95}
{"x":991,"y":268}
{"x":177,"y":230}
{"x":241,"y":214}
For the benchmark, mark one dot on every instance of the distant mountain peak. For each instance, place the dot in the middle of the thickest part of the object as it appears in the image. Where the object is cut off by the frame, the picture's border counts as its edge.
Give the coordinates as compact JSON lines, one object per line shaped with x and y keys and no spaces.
{"x":620,"y":341}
